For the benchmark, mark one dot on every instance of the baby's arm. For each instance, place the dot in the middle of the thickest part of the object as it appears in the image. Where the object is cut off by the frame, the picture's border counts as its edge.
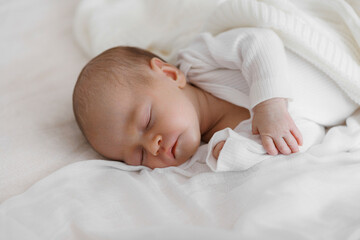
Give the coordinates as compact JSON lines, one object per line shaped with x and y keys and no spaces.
{"x":240,"y":150}
{"x":260,"y":57}
{"x":278,"y":132}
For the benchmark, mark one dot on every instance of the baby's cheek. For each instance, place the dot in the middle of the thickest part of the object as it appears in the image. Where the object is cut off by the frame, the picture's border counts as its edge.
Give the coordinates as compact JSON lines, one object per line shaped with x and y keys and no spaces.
{"x":188,"y":145}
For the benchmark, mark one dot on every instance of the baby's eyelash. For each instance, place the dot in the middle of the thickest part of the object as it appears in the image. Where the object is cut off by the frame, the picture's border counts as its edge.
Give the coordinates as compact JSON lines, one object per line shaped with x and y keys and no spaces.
{"x":148,"y":123}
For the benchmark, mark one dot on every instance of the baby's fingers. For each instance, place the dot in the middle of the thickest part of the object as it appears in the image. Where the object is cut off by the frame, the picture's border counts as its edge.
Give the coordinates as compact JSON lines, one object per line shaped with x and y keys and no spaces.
{"x":292,"y":143}
{"x":269,"y":145}
{"x":282,"y":146}
{"x":297,"y":135}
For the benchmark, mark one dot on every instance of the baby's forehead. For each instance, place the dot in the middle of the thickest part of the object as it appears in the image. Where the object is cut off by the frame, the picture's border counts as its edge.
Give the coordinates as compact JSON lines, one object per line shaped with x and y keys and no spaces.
{"x":118,"y":96}
{"x":111,"y":121}
{"x":123,"y":103}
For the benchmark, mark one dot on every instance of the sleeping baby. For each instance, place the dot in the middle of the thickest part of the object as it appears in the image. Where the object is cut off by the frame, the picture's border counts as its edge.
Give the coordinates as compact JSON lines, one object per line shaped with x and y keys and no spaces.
{"x":134,"y":107}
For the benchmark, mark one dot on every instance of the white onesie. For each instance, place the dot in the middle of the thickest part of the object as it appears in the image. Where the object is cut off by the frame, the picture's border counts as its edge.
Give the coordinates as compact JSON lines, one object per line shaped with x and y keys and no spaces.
{"x":246,"y":66}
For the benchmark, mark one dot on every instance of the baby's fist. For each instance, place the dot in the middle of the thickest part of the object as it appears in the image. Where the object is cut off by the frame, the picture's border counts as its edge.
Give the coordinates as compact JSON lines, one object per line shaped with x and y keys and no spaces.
{"x":217,"y":149}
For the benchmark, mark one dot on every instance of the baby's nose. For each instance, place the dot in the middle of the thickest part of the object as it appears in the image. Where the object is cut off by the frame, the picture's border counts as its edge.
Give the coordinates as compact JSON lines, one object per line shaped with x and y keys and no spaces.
{"x":154,"y":145}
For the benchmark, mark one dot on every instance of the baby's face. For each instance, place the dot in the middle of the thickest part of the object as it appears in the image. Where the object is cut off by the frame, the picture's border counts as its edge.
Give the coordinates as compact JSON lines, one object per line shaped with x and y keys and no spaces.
{"x":155,"y":126}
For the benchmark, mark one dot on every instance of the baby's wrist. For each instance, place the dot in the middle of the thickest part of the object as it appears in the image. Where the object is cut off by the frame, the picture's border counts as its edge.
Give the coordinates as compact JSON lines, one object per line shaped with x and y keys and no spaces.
{"x":278,"y":102}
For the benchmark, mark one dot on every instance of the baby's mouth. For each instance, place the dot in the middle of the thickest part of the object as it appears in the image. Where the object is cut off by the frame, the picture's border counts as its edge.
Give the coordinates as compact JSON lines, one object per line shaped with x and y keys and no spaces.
{"x":173,"y":149}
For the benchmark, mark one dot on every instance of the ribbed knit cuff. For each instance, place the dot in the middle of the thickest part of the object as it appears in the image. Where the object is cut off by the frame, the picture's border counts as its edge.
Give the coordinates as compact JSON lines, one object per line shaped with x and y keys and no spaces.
{"x":238,"y":154}
{"x":264,"y":90}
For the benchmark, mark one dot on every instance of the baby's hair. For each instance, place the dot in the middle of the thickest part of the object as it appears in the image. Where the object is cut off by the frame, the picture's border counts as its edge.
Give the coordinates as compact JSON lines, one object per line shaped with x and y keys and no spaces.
{"x":116,"y":67}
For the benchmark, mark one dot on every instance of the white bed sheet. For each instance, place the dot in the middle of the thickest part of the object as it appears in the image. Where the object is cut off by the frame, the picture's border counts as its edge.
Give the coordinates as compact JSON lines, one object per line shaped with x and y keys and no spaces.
{"x":39,"y":64}
{"x":313,"y":195}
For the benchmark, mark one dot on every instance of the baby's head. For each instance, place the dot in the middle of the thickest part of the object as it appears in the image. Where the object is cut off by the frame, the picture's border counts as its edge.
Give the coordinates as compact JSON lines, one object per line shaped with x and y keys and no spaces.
{"x":134,"y":107}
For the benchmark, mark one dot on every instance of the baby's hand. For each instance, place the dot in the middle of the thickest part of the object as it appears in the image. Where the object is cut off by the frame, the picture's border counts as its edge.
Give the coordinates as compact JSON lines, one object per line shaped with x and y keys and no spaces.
{"x":276,"y":127}
{"x":217,"y":149}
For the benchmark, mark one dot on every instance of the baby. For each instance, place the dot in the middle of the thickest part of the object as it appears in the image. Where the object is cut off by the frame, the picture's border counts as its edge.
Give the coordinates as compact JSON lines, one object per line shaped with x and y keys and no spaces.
{"x":134,"y":107}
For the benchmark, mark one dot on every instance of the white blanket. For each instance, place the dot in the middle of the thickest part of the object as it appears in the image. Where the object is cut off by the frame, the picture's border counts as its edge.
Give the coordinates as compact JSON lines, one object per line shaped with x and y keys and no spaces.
{"x":312,"y":195}
{"x":39,"y":64}
{"x":325,"y":32}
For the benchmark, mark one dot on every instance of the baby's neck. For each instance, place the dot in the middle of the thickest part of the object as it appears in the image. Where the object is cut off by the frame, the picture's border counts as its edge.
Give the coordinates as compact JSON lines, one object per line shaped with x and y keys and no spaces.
{"x":216,"y":114}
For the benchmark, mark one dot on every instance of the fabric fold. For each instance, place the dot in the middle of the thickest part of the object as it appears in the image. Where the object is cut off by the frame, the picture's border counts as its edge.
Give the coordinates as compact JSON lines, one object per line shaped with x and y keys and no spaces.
{"x":238,"y":154}
{"x":333,"y":48}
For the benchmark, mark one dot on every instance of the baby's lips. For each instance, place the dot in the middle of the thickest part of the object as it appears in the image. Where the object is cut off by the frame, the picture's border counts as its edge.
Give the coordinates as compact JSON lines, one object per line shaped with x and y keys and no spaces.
{"x":173,"y":149}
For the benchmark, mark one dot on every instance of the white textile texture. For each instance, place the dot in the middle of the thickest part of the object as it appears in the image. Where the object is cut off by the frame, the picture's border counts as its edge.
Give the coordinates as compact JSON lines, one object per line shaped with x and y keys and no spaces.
{"x":308,"y":195}
{"x":303,"y":25}
{"x":311,"y":195}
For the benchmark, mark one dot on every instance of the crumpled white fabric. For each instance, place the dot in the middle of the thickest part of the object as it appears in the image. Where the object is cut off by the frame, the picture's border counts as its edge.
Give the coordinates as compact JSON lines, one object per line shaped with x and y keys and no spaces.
{"x":309,"y":195}
{"x":160,"y":26}
{"x":164,"y":27}
{"x":312,"y":195}
{"x":305,"y":28}
{"x":243,"y":150}
{"x":340,"y":138}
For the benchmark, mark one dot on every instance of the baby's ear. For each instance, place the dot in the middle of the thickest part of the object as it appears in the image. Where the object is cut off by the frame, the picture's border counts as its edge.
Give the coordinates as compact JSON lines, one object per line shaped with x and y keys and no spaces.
{"x":169,"y":70}
{"x":156,"y":64}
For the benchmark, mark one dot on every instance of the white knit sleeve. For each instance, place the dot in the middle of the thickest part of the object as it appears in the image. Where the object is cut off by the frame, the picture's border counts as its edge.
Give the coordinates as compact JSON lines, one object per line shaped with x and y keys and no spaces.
{"x":238,"y":154}
{"x":258,"y":53}
{"x":242,"y":150}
